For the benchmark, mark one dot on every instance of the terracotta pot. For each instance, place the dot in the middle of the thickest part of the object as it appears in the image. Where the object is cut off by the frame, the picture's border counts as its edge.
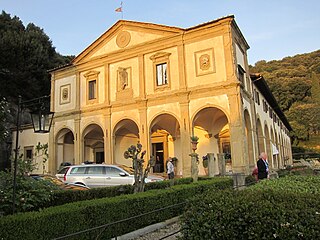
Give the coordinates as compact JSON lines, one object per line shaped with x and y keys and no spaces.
{"x":194,"y":145}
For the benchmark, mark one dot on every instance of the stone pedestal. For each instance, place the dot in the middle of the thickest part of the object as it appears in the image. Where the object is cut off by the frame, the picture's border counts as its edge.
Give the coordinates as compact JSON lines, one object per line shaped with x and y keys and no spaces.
{"x":194,"y":166}
{"x":221,"y":164}
{"x":239,"y":180}
{"x":211,"y":164}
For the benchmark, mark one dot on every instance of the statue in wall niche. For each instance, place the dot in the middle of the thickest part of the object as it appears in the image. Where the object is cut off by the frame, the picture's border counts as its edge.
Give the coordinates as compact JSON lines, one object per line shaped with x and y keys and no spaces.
{"x":122,"y":78}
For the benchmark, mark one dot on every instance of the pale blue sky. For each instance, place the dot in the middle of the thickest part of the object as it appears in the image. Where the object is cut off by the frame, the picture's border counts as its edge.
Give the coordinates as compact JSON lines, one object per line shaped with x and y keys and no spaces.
{"x":274,"y":29}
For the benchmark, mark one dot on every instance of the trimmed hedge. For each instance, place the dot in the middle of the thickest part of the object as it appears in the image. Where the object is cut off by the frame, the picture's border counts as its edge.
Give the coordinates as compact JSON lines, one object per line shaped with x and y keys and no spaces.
{"x":264,"y":211}
{"x":62,"y":197}
{"x":291,"y":183}
{"x":73,"y":217}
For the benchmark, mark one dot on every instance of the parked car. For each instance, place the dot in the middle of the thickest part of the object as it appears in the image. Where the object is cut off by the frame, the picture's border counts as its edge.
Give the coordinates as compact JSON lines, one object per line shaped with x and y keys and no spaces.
{"x":57,"y":182}
{"x":101,"y":175}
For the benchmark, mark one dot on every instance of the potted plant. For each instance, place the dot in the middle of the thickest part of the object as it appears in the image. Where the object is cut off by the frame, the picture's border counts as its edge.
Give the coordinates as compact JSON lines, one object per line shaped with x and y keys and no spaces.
{"x":194,"y":142}
{"x":205,"y":163}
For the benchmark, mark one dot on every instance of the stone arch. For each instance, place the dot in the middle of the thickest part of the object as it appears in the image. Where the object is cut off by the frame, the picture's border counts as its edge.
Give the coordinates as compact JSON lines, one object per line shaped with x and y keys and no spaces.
{"x":277,"y":156}
{"x":125,"y":134}
{"x":268,"y":143}
{"x":249,"y":132}
{"x":211,"y":125}
{"x":64,"y":147}
{"x":272,"y":158}
{"x":210,"y":106}
{"x":165,"y":141}
{"x":260,"y":137}
{"x":93,"y":143}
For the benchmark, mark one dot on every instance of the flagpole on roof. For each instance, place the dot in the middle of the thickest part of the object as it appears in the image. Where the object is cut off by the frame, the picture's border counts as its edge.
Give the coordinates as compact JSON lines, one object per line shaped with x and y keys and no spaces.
{"x":120,"y":9}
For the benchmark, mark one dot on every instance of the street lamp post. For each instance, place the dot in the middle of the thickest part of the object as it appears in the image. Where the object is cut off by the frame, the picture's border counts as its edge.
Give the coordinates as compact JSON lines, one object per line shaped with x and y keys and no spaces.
{"x":41,"y":117}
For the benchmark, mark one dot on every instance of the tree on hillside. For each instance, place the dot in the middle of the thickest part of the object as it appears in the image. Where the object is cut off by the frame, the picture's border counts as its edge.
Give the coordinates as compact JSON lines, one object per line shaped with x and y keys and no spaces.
{"x":294,"y":82}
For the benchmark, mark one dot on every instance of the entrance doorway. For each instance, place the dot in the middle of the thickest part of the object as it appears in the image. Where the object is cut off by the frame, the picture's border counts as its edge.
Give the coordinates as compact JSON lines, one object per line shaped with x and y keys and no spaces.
{"x":158,"y":152}
{"x":99,"y":157}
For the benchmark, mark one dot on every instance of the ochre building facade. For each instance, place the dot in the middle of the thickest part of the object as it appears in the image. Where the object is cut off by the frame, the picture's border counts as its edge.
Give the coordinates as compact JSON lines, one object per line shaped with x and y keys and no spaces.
{"x":159,"y":85}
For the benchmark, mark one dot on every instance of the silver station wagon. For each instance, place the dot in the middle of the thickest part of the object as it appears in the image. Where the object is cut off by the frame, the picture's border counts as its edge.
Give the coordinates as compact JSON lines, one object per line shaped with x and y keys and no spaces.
{"x":101,"y":175}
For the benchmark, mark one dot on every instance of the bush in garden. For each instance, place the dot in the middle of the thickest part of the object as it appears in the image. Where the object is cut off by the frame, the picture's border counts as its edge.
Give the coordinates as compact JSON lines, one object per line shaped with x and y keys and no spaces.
{"x":248,"y":214}
{"x":30,"y":194}
{"x":69,"y":218}
{"x":291,"y":183}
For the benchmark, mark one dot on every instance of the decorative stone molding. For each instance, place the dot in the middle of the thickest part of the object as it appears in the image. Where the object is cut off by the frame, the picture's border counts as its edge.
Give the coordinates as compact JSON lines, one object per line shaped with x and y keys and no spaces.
{"x":65,"y":94}
{"x":160,"y":56}
{"x":205,"y":62}
{"x":123,"y":39}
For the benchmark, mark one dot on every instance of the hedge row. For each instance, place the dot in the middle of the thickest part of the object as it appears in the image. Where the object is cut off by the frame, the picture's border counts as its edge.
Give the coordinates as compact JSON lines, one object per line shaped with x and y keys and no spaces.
{"x":73,"y":217}
{"x":254,"y":213}
{"x":291,"y":183}
{"x":62,"y":197}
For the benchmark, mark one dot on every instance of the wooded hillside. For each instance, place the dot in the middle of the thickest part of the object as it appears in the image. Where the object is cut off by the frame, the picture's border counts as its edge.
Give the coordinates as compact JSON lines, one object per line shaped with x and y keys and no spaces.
{"x":295,"y":83}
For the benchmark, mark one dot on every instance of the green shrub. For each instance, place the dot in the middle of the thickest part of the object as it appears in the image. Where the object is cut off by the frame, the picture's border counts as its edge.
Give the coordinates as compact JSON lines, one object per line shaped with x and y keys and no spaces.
{"x":69,"y":218}
{"x":30,"y":194}
{"x":292,"y":183}
{"x":249,"y":180}
{"x":62,"y":197}
{"x":252,"y":214}
{"x":283,"y":208}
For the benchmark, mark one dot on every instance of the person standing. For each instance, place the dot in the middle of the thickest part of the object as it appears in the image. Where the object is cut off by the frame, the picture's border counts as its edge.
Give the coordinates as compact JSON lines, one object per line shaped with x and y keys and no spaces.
{"x":263,"y":166}
{"x":170,"y":169}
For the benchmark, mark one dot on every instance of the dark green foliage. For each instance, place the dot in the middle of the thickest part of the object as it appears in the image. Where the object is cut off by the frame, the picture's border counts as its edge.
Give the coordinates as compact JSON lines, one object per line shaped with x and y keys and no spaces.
{"x":73,"y":217}
{"x":294,"y":81}
{"x":167,"y":184}
{"x":5,"y":119}
{"x":26,"y":56}
{"x":30,"y":194}
{"x":264,"y":211}
{"x":62,"y":197}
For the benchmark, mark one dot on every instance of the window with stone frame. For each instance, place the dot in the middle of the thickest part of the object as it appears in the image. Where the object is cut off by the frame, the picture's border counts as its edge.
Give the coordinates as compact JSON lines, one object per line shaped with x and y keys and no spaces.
{"x":161,"y":70}
{"x":241,"y":74}
{"x":28,"y":153}
{"x":92,"y":89}
{"x":162,"y":77}
{"x":92,"y":86}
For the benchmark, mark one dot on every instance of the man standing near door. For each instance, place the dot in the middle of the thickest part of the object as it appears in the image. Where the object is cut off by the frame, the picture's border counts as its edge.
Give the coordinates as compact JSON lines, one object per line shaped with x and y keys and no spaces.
{"x":170,"y":168}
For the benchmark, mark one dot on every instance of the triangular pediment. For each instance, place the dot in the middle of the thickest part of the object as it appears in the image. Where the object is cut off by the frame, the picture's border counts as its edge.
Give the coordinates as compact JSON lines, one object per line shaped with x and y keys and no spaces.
{"x":125,"y":35}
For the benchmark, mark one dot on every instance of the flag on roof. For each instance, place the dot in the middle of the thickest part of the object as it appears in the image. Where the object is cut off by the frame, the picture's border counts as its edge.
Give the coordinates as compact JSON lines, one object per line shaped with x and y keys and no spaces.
{"x":119,"y":9}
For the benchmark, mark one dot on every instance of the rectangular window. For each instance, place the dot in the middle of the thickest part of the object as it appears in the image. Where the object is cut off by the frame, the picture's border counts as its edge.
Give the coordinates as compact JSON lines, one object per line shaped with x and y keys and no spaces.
{"x":241,"y":73}
{"x":162,"y":78}
{"x":92,"y":89}
{"x":28,"y":153}
{"x":265,"y":106}
{"x":257,"y":97}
